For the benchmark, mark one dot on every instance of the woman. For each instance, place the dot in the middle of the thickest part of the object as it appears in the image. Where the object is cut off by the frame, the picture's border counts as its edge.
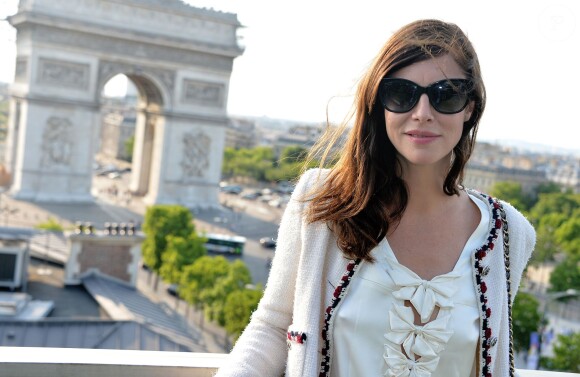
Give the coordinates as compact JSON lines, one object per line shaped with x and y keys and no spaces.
{"x":385,"y":264}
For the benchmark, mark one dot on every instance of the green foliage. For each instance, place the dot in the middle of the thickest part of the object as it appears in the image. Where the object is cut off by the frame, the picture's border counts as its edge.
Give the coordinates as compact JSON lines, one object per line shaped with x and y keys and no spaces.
{"x":548,"y":188}
{"x":566,"y":275}
{"x":512,"y":193}
{"x":293,"y":154}
{"x":129,"y":147}
{"x":236,"y":279}
{"x":200,"y":277}
{"x":568,"y":235}
{"x":51,"y":225}
{"x":179,"y":253}
{"x":248,"y":162}
{"x":238,"y":309}
{"x":564,"y":204}
{"x":526,"y":319}
{"x":555,"y":216}
{"x":209,"y":281}
{"x":284,"y":172}
{"x":260,"y":163}
{"x":546,"y":243}
{"x":162,"y":221}
{"x":566,"y":354}
{"x":4,"y":113}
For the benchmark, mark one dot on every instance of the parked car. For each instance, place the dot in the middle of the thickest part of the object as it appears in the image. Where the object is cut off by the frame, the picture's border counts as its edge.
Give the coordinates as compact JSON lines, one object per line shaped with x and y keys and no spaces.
{"x":275,"y":203}
{"x":252,"y":195}
{"x":268,"y":242}
{"x":285,"y":188}
{"x":105,"y":170}
{"x":267,"y":191}
{"x":173,"y":289}
{"x":232,"y":189}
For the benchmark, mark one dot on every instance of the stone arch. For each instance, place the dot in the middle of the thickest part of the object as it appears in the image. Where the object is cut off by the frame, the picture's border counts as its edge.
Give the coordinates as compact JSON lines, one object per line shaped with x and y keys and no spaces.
{"x":179,"y":57}
{"x":154,"y":85}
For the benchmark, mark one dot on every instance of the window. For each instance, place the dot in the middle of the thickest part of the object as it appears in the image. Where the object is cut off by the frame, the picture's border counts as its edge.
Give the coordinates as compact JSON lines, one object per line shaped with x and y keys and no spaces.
{"x":221,"y":243}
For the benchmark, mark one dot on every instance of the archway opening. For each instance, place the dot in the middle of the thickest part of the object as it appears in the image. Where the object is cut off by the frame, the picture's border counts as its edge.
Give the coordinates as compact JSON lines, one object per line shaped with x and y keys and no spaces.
{"x":123,"y":158}
{"x":112,"y":164}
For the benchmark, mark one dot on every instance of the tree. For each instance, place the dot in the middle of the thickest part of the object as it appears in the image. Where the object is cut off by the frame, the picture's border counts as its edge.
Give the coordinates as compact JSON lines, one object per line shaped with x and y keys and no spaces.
{"x":285,"y":172}
{"x":129,"y":147}
{"x":238,"y":309}
{"x":237,"y":278}
{"x":160,"y":222}
{"x":564,"y":204}
{"x":566,"y":275}
{"x":259,"y":163}
{"x":546,"y":243}
{"x":512,"y":193}
{"x":555,"y":216}
{"x":201,"y":276}
{"x":248,"y":162}
{"x":526,"y":319}
{"x":566,"y":353}
{"x":548,"y":188}
{"x":568,"y":235}
{"x":293,"y":154}
{"x":179,"y":253}
{"x":51,"y":225}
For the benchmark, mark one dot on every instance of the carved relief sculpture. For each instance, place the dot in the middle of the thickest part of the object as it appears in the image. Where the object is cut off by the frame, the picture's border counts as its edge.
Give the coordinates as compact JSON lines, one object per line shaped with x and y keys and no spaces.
{"x":203,"y":93}
{"x":57,"y":142}
{"x":195,"y":160}
{"x":62,"y":73}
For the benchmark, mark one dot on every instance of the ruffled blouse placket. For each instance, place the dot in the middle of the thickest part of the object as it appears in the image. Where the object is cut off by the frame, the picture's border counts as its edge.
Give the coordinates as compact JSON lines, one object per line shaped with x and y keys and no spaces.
{"x":421,"y":343}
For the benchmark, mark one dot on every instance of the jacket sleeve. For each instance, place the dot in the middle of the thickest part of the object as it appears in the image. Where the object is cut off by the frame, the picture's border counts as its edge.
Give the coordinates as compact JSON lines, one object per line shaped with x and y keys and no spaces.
{"x":261,"y":350}
{"x":522,"y":242}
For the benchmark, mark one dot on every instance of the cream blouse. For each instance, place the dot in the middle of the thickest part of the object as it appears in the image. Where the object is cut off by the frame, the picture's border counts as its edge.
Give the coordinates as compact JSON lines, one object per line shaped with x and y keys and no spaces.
{"x":374,"y":332}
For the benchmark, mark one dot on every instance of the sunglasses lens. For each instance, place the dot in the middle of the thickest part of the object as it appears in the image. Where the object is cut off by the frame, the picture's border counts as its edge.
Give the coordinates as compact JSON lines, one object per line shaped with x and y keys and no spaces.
{"x":448,"y":97}
{"x":399,"y":96}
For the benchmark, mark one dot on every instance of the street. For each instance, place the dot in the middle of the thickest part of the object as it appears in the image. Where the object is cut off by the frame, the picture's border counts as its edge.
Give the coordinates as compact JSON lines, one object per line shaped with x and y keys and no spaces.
{"x":113,"y":203}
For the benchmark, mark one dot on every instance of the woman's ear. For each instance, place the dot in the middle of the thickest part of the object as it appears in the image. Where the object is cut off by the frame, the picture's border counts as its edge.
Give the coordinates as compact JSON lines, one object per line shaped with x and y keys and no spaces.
{"x":468,"y":111}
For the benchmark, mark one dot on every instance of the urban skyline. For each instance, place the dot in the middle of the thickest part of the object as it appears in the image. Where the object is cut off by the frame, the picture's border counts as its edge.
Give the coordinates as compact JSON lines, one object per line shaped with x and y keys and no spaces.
{"x":304,"y":59}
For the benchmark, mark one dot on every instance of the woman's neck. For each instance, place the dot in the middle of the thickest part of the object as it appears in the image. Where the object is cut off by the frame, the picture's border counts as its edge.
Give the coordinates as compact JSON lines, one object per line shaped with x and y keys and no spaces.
{"x":425,"y":187}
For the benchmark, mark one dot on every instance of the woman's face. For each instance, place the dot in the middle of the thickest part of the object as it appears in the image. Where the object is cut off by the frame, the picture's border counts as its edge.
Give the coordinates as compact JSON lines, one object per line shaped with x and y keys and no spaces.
{"x":423,"y":136}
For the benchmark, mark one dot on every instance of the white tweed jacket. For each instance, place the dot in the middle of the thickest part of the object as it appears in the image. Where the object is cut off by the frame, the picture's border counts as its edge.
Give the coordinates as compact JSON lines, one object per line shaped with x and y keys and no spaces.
{"x":291,"y":331}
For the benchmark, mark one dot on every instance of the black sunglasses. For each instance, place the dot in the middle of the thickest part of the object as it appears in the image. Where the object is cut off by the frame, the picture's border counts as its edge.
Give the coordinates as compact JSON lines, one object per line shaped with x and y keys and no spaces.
{"x":448,"y":96}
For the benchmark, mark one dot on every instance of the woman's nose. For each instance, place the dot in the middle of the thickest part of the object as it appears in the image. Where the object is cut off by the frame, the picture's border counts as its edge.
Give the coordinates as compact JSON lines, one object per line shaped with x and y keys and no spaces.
{"x":423,"y":111}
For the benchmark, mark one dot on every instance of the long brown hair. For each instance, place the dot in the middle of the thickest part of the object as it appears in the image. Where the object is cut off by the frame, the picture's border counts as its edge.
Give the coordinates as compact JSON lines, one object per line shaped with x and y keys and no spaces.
{"x":364,"y":193}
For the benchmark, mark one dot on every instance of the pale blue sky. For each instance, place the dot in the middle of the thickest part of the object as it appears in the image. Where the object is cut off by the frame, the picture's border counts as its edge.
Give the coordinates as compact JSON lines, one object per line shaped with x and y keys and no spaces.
{"x":302,"y":56}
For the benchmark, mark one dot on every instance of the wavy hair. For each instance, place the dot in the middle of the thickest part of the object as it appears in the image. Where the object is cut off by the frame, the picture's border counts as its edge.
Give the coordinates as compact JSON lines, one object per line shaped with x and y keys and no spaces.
{"x":364,"y":192}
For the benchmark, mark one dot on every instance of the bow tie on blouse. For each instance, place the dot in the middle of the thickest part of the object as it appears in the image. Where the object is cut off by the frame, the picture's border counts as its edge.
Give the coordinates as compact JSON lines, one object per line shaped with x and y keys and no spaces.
{"x":426,"y":340}
{"x":399,"y":366}
{"x":423,"y":294}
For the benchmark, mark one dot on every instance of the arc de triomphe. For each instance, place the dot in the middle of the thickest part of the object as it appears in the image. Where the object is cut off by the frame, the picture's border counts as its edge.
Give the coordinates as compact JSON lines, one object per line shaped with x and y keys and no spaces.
{"x":179,"y":57}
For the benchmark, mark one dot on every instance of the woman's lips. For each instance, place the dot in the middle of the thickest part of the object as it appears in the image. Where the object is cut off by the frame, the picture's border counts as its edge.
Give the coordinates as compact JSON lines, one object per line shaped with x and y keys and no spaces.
{"x":421,"y":137}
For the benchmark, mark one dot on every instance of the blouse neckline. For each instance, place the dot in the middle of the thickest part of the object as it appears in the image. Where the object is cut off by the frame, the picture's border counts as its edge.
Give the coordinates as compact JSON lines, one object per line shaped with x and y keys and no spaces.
{"x":384,"y":248}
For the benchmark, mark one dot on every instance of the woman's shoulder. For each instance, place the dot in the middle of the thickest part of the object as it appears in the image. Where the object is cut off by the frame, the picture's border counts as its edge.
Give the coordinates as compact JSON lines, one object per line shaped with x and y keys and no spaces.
{"x":520,"y":227}
{"x":518,"y":219}
{"x":310,"y":180}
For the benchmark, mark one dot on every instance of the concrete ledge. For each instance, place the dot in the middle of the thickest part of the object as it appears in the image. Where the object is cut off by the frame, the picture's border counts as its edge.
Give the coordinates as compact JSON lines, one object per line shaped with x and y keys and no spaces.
{"x":73,"y":362}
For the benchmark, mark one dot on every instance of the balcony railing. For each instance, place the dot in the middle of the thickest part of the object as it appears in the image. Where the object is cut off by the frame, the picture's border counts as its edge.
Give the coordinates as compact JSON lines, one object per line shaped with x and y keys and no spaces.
{"x":73,"y":362}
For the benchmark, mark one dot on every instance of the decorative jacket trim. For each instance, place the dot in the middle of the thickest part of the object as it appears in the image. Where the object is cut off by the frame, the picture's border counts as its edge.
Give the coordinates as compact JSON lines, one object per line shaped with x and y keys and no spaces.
{"x":481,"y":270}
{"x":310,"y":276}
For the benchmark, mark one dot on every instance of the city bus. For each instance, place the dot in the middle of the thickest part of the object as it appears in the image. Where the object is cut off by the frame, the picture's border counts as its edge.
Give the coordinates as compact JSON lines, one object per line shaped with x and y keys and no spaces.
{"x":224,"y":244}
